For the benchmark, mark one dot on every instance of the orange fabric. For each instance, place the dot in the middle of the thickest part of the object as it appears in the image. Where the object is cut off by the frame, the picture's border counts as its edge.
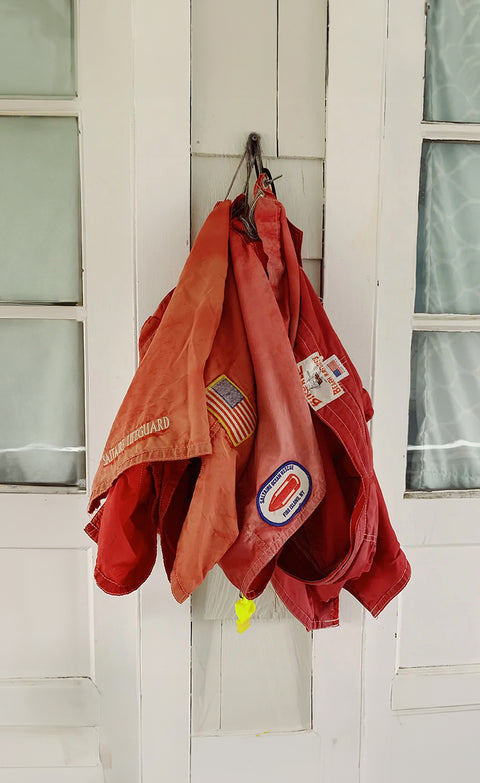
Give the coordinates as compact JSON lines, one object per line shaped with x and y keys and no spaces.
{"x":348,"y":540}
{"x":285,"y":433}
{"x":251,"y":347}
{"x":210,"y":526}
{"x":167,"y":419}
{"x":228,"y":462}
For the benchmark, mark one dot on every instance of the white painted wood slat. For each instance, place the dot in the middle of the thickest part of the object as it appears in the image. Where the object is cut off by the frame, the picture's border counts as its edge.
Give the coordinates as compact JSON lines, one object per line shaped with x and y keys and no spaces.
{"x":162,"y":184}
{"x":266,"y":677}
{"x":234,"y":75}
{"x":45,"y":613}
{"x":68,"y":702}
{"x":105,"y":55}
{"x":48,"y":747}
{"x":446,"y":323}
{"x":165,"y":662}
{"x":313,"y":270}
{"x":53,"y":775}
{"x":53,"y":312}
{"x":443,"y":131}
{"x":257,"y":758}
{"x":300,"y":190}
{"x":38,"y":520}
{"x":337,"y":652}
{"x":206,"y":670}
{"x":162,"y":140}
{"x":302,"y":54}
{"x":38,"y":108}
{"x":443,"y":596}
{"x":354,"y":131}
{"x":436,"y":688}
{"x":437,"y":513}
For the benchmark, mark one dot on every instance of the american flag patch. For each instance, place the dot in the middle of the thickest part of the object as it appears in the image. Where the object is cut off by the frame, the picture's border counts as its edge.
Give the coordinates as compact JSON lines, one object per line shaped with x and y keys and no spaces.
{"x":336,"y":367}
{"x":232,"y":408}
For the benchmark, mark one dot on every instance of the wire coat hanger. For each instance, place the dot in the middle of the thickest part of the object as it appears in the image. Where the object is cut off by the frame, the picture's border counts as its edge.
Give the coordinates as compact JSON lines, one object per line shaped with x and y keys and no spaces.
{"x":253,"y":155}
{"x":253,"y":158}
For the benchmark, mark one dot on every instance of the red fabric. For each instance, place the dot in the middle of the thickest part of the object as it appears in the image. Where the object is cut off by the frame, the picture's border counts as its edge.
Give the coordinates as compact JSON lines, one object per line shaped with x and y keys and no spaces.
{"x":270,"y":306}
{"x":126,"y":551}
{"x":163,"y":416}
{"x":297,"y":501}
{"x":348,"y":541}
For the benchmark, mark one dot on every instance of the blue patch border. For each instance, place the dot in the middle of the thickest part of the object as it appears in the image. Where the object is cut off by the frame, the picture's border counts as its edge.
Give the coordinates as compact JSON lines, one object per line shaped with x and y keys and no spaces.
{"x":287,"y":521}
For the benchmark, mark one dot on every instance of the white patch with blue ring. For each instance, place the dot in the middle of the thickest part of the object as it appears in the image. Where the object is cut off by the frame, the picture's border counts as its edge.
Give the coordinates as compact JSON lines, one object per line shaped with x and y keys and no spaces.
{"x":284,"y":494}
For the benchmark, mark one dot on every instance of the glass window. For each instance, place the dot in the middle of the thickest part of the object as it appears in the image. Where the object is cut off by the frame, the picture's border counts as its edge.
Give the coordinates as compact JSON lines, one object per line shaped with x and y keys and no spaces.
{"x":37,"y":53}
{"x":448,"y":250}
{"x":452,"y":79}
{"x":39,"y":210}
{"x":42,"y":438}
{"x":444,"y":423}
{"x":444,"y":418}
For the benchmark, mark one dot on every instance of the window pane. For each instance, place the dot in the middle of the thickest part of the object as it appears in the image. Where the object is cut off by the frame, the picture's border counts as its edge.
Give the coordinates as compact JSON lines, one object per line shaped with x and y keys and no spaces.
{"x":444,"y":425}
{"x":452,"y":83}
{"x":448,"y":250}
{"x":39,"y":210}
{"x":42,"y":439}
{"x":36,"y":48}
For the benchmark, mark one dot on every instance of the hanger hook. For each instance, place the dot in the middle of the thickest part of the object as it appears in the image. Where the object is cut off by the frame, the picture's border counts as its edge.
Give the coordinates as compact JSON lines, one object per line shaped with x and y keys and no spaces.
{"x":254,"y":151}
{"x":253,"y":157}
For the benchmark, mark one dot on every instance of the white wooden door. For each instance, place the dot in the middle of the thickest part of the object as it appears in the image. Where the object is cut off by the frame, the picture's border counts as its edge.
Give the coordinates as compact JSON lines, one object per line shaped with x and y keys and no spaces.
{"x":395,"y":697}
{"x":386,"y":694}
{"x":69,"y":666}
{"x":96,"y":688}
{"x":422,"y":662}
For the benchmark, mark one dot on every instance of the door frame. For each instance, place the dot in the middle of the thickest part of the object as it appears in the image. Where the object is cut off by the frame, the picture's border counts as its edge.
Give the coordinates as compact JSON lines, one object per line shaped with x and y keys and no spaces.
{"x":403,"y":698}
{"x":161,"y":32}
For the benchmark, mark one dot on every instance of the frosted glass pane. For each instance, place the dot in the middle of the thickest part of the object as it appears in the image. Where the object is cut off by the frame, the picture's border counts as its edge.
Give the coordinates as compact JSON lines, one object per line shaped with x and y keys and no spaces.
{"x":42,"y":438}
{"x":39,"y":210}
{"x":444,"y":425}
{"x":448,"y":251}
{"x":37,"y":48}
{"x":452,"y":83}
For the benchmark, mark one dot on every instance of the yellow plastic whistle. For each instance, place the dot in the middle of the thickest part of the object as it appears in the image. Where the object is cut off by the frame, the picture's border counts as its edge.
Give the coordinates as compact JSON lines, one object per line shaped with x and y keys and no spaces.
{"x":244,"y":610}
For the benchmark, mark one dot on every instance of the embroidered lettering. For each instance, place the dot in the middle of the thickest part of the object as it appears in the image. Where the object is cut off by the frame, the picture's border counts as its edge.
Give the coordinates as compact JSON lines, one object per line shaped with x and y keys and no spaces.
{"x":150,"y":427}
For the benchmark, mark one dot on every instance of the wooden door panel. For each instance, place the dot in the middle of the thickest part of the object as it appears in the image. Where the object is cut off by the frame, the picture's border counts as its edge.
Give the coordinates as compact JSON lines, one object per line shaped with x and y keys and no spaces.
{"x":439,"y":613}
{"x":45,"y":612}
{"x":302,"y":54}
{"x":234,"y":75}
{"x":256,"y":757}
{"x":66,"y":648}
{"x":422,"y":658}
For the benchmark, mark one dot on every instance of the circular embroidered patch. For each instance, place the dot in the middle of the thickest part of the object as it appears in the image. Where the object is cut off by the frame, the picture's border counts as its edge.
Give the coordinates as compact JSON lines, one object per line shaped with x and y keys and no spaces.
{"x":282,"y":495}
